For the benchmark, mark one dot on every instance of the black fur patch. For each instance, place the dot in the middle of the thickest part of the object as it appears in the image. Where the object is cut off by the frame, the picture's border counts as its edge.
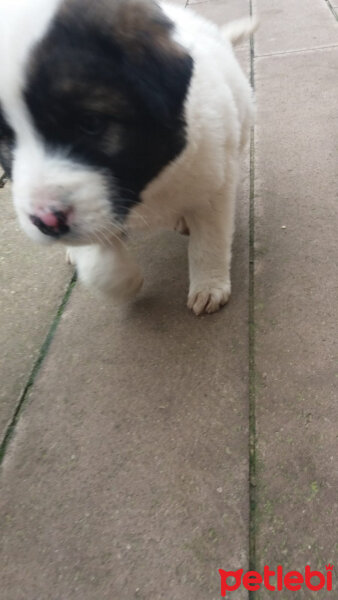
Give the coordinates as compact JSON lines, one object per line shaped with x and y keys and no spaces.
{"x":117,"y":111}
{"x":7,"y":140}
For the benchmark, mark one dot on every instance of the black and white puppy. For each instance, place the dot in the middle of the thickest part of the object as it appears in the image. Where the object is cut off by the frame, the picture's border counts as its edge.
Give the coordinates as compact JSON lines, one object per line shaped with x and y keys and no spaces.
{"x":122,"y":114}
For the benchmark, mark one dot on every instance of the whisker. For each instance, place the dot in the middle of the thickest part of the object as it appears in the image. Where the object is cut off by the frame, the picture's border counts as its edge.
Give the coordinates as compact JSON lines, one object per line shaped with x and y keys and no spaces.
{"x":104,"y":230}
{"x":124,"y":203}
{"x":142,"y":218}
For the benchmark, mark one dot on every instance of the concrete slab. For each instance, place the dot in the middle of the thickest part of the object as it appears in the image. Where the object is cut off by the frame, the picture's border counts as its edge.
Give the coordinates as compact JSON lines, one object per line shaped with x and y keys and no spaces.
{"x":32,"y":282}
{"x":130,"y":463}
{"x":221,"y":12}
{"x":286,"y":25}
{"x":296,"y":311}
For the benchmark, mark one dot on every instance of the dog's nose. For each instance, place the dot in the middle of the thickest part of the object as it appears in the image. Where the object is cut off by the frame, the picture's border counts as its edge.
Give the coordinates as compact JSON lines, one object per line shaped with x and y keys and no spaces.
{"x":54,"y":223}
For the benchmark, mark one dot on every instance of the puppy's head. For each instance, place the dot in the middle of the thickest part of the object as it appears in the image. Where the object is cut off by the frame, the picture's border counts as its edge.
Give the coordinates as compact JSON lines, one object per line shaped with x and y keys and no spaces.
{"x":91,"y":110}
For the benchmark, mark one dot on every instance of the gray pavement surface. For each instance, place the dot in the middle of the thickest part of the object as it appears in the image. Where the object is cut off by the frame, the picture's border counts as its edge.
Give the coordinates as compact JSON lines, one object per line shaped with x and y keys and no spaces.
{"x":296,"y":288}
{"x":33,"y":280}
{"x":126,"y":430}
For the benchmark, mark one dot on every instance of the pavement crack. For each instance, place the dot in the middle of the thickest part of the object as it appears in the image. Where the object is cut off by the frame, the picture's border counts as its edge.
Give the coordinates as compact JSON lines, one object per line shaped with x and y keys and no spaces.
{"x":332,"y":9}
{"x":298,"y":51}
{"x":35,"y":370}
{"x":252,"y":378}
{"x":3,"y":180}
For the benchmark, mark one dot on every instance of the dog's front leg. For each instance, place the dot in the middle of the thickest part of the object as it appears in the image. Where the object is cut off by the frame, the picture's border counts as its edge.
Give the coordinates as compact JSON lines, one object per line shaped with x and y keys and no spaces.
{"x":108,"y":269}
{"x":211,"y":232}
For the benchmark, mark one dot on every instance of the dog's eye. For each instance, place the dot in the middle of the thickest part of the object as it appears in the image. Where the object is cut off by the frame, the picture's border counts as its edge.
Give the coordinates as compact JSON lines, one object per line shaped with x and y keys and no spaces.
{"x":91,"y":124}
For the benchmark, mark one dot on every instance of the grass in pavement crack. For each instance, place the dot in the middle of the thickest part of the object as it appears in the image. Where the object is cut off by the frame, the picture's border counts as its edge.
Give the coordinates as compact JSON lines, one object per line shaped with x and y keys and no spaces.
{"x":3,"y":180}
{"x":252,"y":375}
{"x":332,"y":9}
{"x":36,"y":368}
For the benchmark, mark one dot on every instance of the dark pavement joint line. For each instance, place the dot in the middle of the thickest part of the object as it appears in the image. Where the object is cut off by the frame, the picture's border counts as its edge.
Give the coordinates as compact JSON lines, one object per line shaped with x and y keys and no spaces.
{"x":3,"y":181}
{"x":252,"y":396}
{"x":332,"y":9}
{"x":36,"y":368}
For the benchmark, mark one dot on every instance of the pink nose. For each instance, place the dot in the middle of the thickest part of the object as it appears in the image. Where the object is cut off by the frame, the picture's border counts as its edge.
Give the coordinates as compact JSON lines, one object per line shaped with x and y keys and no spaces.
{"x":50,"y":219}
{"x":54,"y":223}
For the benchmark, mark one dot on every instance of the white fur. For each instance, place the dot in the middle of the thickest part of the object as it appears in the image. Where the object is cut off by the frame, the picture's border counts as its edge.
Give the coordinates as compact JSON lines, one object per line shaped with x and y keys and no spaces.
{"x":107,"y":268}
{"x":40,"y":178}
{"x":23,"y":23}
{"x":199,"y":186}
{"x":240,"y":30}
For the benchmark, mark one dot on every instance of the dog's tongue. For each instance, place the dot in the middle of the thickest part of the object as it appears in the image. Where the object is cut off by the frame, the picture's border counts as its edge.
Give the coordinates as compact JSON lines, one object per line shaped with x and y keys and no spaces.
{"x":48,"y":218}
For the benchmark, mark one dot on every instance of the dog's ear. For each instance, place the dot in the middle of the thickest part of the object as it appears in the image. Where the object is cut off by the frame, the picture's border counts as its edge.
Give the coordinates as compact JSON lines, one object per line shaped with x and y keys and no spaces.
{"x":157,"y":68}
{"x":153,"y":65}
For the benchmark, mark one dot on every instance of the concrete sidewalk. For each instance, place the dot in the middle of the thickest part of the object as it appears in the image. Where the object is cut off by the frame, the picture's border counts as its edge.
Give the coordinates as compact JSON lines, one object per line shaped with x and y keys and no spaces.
{"x":142,"y":448}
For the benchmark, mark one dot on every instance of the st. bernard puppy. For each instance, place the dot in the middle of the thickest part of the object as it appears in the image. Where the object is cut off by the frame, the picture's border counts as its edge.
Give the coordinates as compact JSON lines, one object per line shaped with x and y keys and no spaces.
{"x":122,"y":114}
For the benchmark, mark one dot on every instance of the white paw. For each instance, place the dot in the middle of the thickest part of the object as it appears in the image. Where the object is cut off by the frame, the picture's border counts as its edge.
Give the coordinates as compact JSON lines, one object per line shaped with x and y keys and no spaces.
{"x":126,"y":289}
{"x":209,"y":299}
{"x":70,"y":258}
{"x":111,"y":273}
{"x":120,"y":285}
